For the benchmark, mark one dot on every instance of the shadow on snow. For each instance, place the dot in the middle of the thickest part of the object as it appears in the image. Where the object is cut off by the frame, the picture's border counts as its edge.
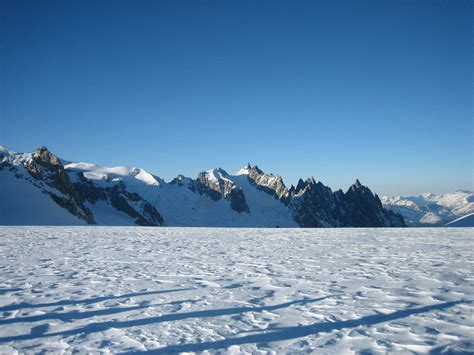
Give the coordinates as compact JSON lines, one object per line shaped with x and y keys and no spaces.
{"x":14,"y":307}
{"x":71,"y":316}
{"x":261,"y":337}
{"x":6,"y":290}
{"x":287,"y":333}
{"x":40,"y":331}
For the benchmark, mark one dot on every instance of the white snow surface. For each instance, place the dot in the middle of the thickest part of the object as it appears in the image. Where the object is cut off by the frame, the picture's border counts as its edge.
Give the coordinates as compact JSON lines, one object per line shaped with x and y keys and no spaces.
{"x":117,"y":173}
{"x":244,"y":170}
{"x":10,"y":156}
{"x":214,"y":175}
{"x":236,"y":291}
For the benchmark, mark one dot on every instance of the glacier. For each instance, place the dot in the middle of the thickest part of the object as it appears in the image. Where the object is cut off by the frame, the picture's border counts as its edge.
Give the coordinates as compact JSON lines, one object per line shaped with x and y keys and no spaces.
{"x":99,"y":289}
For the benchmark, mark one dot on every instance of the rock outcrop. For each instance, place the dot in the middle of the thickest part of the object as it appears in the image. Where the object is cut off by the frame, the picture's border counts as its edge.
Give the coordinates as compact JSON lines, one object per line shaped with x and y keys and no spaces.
{"x":46,"y":171}
{"x":315,"y":205}
{"x":269,"y":183}
{"x":217,"y":184}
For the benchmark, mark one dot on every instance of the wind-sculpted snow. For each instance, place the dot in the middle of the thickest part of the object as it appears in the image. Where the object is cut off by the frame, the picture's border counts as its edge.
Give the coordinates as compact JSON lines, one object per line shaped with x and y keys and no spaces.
{"x":170,"y":290}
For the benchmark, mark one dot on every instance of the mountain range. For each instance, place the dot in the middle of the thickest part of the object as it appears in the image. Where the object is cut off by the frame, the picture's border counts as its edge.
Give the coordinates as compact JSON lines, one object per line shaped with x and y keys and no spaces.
{"x":38,"y":188}
{"x":433,"y":210}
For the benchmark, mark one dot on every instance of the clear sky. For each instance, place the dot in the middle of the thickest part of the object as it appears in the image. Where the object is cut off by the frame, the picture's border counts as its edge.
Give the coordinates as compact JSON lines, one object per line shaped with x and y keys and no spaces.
{"x":376,"y":90}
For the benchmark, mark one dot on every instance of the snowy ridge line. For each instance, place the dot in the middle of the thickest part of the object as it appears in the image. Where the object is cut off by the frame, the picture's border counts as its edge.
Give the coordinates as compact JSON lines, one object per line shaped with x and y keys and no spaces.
{"x":46,"y":190}
{"x":465,"y":221}
{"x":433,"y":210}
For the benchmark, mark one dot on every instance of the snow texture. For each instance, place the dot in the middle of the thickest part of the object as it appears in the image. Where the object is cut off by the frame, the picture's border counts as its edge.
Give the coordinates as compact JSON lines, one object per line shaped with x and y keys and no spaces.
{"x":236,"y":291}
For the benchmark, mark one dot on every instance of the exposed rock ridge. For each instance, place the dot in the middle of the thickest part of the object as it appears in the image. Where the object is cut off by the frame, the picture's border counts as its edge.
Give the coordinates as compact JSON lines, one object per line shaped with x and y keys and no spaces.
{"x":46,"y":168}
{"x":269,"y":183}
{"x":217,"y":184}
{"x":46,"y":171}
{"x":130,"y":203}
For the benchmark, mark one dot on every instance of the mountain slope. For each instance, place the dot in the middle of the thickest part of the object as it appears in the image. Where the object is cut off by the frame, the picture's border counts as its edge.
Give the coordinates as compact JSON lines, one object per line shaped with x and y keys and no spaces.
{"x":21,"y":202}
{"x":465,"y":221}
{"x":60,"y":192}
{"x":70,"y":189}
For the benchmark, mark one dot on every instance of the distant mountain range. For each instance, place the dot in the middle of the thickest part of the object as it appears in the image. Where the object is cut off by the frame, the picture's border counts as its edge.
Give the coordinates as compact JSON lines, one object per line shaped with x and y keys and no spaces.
{"x":38,"y":188}
{"x":434,"y":210}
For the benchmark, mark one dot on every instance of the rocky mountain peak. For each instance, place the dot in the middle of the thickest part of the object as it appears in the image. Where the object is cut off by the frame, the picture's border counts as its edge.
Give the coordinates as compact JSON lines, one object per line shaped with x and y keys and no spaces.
{"x":4,"y":151}
{"x":257,"y":170}
{"x":222,"y":172}
{"x":300,"y":186}
{"x":182,"y":180}
{"x":357,"y":187}
{"x":244,"y":170}
{"x":43,"y":148}
{"x":309,"y":183}
{"x":44,"y":156}
{"x":271,"y":184}
{"x":180,"y":177}
{"x":216,"y":184}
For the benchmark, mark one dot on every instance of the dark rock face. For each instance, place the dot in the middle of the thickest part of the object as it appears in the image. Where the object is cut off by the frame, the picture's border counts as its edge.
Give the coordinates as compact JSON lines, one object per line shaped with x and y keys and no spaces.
{"x":88,"y":191}
{"x":47,"y":168}
{"x":237,"y":200}
{"x":216,"y":184}
{"x":315,"y":205}
{"x":130,"y":203}
{"x":213,"y":189}
{"x":269,"y":183}
{"x":178,"y":180}
{"x":366,"y":209}
{"x":144,"y":213}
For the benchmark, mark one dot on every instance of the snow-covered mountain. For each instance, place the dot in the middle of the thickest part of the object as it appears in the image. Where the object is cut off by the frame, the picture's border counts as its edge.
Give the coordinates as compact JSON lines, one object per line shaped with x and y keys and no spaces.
{"x":431,"y":210}
{"x":40,"y":188}
{"x":464,"y":221}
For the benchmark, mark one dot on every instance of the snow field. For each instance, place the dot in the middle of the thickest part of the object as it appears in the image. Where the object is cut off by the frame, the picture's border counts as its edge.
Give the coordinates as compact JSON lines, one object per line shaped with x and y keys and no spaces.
{"x":170,"y":290}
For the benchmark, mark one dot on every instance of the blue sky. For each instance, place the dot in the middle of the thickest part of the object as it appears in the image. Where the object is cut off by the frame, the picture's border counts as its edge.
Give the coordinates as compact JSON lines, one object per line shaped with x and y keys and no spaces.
{"x":375,"y":90}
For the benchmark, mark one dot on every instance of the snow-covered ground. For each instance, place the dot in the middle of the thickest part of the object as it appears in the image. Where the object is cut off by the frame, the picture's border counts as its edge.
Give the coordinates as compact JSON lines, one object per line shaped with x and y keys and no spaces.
{"x":236,"y":290}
